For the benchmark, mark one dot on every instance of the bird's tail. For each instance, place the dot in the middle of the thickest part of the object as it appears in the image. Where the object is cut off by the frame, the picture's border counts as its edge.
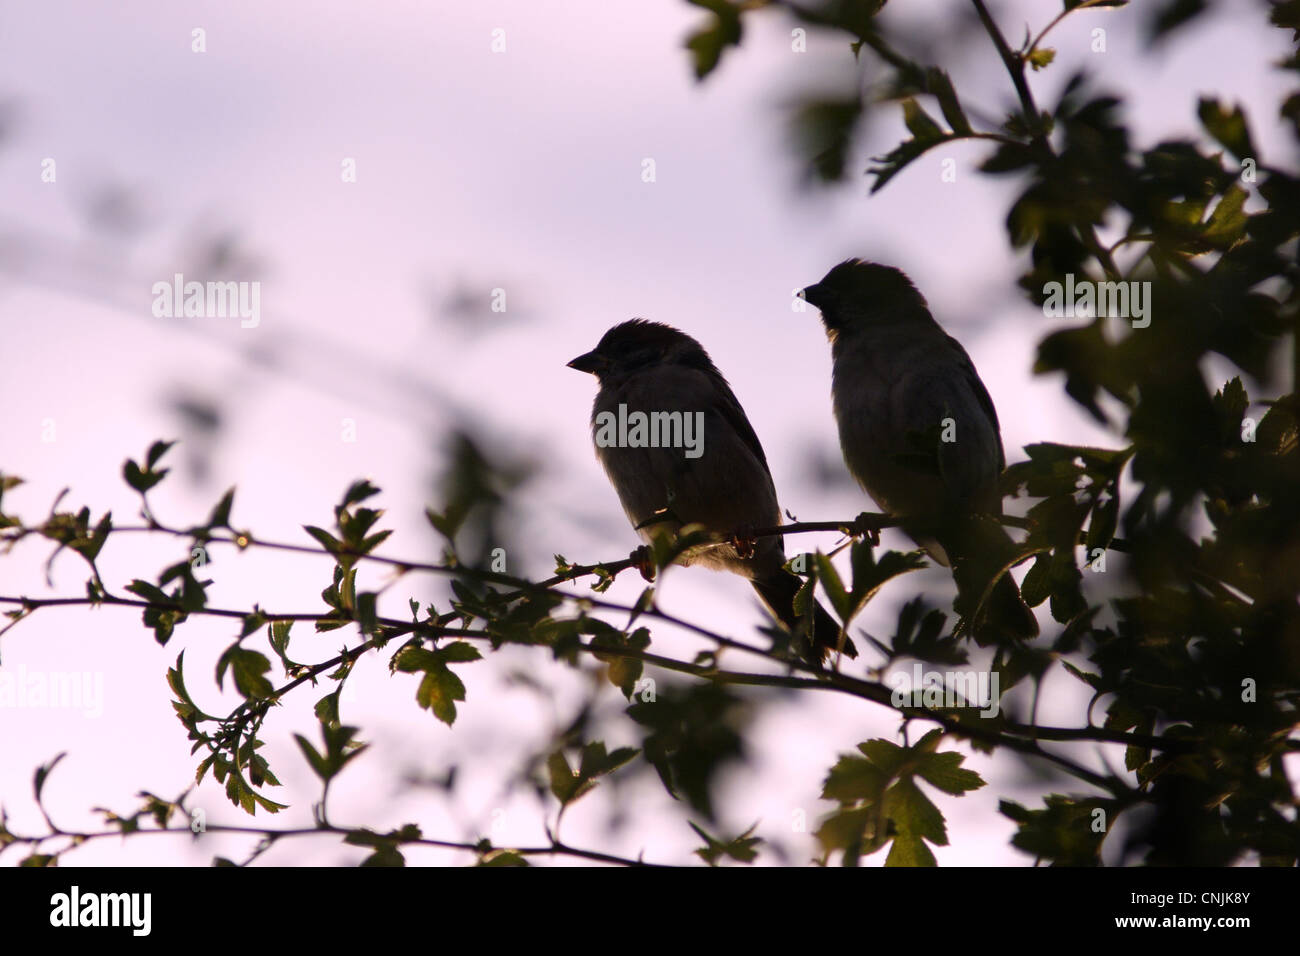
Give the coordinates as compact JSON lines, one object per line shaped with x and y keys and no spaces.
{"x":778,"y":592}
{"x":983,"y":553}
{"x":1007,"y":609}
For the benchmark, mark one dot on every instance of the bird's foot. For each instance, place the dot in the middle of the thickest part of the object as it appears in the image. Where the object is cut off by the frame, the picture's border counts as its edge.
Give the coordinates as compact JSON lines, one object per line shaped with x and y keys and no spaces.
{"x":867,"y":524}
{"x":745,"y":542}
{"x":642,"y":559}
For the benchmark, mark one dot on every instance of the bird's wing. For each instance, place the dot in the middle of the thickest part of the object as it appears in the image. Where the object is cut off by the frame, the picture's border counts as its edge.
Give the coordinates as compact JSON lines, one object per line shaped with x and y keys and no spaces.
{"x":976,"y":385}
{"x":968,"y":466}
{"x":727,"y":485}
{"x":729,"y":408}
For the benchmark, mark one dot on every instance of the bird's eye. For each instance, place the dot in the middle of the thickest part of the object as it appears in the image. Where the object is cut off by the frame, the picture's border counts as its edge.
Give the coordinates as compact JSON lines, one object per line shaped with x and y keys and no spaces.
{"x":800,"y":295}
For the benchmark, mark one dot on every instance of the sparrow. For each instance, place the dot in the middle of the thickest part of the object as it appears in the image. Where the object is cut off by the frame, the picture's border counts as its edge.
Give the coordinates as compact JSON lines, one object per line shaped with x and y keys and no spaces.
{"x":720,"y":479}
{"x":919,"y":432}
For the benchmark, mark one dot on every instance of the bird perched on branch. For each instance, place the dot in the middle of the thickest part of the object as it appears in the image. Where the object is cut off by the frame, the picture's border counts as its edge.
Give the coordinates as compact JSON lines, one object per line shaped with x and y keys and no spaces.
{"x":709,"y":469}
{"x":920,"y":434}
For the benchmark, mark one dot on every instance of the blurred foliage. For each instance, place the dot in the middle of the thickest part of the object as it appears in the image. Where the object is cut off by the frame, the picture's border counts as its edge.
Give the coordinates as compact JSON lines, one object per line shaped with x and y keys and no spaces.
{"x":1170,"y":565}
{"x":1204,"y":646}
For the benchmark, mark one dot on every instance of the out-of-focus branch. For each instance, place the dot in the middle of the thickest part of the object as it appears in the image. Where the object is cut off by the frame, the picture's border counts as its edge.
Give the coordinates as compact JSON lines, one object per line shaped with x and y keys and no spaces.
{"x":273,"y":835}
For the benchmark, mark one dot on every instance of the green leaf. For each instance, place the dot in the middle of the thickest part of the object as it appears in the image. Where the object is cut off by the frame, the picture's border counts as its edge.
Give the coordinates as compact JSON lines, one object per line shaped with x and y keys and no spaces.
{"x":896,"y":160}
{"x":458,"y":652}
{"x":870,"y":575}
{"x":439,"y":691}
{"x":387,"y":855}
{"x":445,"y":524}
{"x":140,"y":480}
{"x":163,"y":623}
{"x":596,"y":762}
{"x":220,"y":517}
{"x":919,"y":123}
{"x":643,"y":604}
{"x":156,"y":451}
{"x":252,"y":623}
{"x":915,"y":818}
{"x":853,"y":831}
{"x":692,"y":734}
{"x":880,"y":787}
{"x":502,"y":858}
{"x":944,"y":770}
{"x":568,"y":785}
{"x":853,"y":779}
{"x":280,"y":640}
{"x":368,"y":613}
{"x":885,"y":754}
{"x":1041,"y":57}
{"x":1173,"y":15}
{"x":623,"y":672}
{"x":340,"y":750}
{"x":940,"y":85}
{"x":327,"y":709}
{"x":176,"y":681}
{"x":741,"y":848}
{"x":203,"y":768}
{"x":411,"y":659}
{"x":87,"y":543}
{"x":366,"y":837}
{"x":358,"y":491}
{"x":1228,"y":128}
{"x":909,"y":849}
{"x":248,"y":668}
{"x":920,"y":635}
{"x":565,"y":784}
{"x":1286,"y":14}
{"x":1063,"y":832}
{"x":824,"y":131}
{"x":192,"y":595}
{"x":1227,"y":223}
{"x":834,"y":587}
{"x":314,"y":757}
{"x":1101,"y":527}
{"x":707,"y":43}
{"x":1232,"y":402}
{"x":326,"y":540}
{"x":7,"y":482}
{"x":43,"y":773}
{"x":149,"y":592}
{"x":162,"y":620}
{"x":367,"y":545}
{"x":1092,"y":680}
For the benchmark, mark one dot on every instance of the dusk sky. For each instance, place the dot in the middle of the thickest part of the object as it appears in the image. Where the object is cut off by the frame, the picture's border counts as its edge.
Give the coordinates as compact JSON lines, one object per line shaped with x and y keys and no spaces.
{"x":475,"y":171}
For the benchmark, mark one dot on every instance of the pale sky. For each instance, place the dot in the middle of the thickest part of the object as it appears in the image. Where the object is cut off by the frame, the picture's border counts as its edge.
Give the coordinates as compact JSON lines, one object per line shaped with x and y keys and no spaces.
{"x":475,"y":170}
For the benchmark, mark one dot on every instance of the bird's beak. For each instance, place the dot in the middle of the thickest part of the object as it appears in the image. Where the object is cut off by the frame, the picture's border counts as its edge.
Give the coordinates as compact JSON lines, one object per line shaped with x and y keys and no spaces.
{"x":811,"y":294}
{"x":591,"y":362}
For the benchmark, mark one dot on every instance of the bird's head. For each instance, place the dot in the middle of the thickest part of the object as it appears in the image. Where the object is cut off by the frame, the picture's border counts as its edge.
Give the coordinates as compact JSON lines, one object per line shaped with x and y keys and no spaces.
{"x":639,"y":344}
{"x":858,"y":293}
